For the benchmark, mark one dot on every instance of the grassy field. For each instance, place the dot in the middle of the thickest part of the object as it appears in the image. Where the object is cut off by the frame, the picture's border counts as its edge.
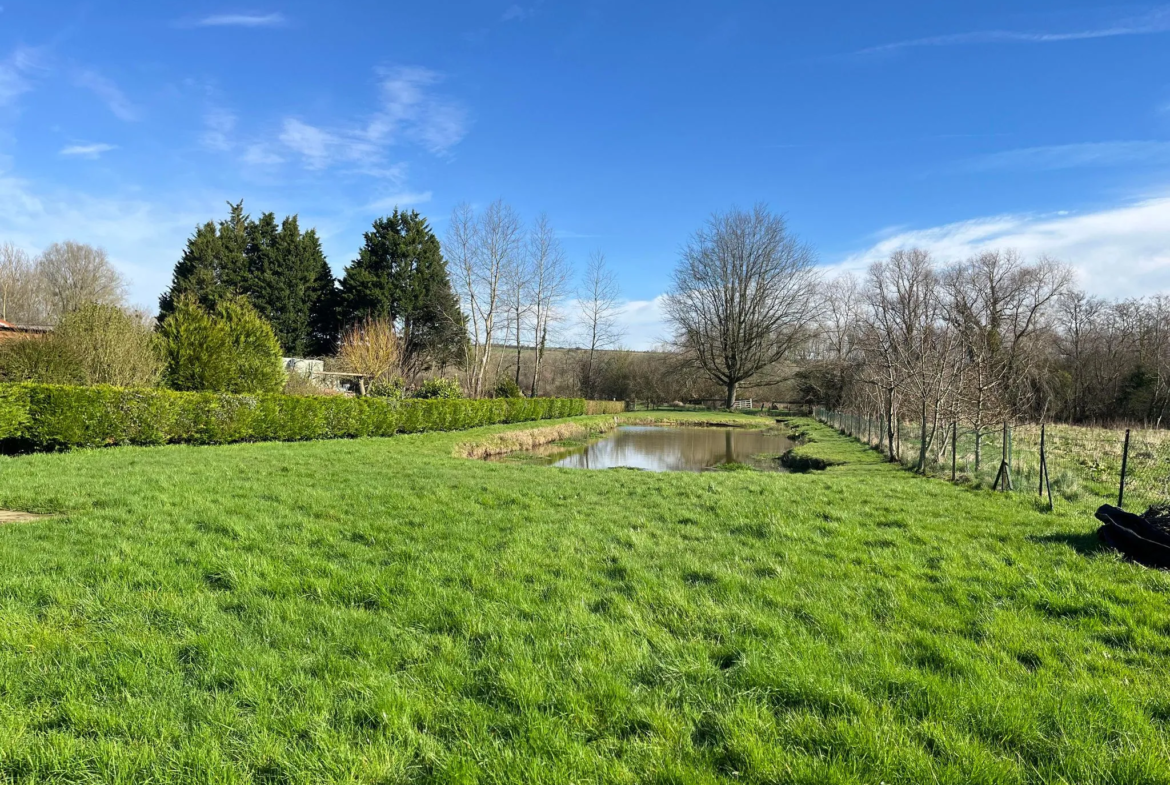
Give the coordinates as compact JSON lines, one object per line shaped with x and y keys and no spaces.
{"x":1084,"y":463}
{"x":381,"y":611}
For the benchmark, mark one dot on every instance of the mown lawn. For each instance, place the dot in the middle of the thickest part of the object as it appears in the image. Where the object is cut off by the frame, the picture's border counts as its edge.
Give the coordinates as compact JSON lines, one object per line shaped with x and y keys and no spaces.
{"x":378,"y":611}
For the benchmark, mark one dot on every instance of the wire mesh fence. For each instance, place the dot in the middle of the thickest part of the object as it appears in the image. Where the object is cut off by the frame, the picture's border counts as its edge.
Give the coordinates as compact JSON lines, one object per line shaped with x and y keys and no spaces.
{"x":1126,"y":467}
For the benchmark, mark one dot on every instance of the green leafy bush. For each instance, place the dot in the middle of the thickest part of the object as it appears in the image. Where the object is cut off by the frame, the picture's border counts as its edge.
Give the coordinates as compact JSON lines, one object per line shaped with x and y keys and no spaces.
{"x":39,"y":359}
{"x":394,"y":388}
{"x":13,"y":410}
{"x":506,"y":387}
{"x":231,"y":350}
{"x":60,"y":417}
{"x":110,"y":344}
{"x":443,"y":389}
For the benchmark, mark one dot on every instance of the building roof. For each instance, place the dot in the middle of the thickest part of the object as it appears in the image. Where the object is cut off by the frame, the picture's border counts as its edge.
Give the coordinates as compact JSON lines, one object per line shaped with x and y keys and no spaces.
{"x":23,"y":328}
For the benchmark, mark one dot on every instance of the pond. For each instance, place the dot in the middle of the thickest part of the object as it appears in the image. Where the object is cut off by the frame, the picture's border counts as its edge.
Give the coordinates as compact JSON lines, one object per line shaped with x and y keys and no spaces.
{"x":669,"y":449}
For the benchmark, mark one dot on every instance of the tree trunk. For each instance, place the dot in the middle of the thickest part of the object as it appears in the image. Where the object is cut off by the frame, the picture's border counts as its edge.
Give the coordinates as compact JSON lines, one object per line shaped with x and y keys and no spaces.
{"x":589,"y":375}
{"x":890,"y":425}
{"x":518,"y":348}
{"x":922,"y":444}
{"x":536,"y":365}
{"x":731,"y":386}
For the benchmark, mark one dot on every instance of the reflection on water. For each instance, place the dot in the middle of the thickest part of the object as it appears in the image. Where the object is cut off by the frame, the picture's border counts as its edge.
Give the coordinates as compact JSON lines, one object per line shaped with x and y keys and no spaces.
{"x":659,"y":449}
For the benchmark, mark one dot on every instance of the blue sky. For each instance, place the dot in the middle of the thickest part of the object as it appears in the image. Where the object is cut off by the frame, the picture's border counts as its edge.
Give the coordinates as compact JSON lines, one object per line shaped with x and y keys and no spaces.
{"x":1039,"y":125}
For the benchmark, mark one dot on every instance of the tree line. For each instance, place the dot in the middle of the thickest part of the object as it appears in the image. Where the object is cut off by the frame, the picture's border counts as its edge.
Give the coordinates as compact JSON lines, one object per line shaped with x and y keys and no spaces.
{"x":974,"y":341}
{"x":494,"y":289}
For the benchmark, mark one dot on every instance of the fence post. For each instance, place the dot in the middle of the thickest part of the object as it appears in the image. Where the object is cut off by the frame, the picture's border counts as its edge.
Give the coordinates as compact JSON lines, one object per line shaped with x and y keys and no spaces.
{"x":1124,"y":466}
{"x":1003,"y":477}
{"x":1045,"y":480}
{"x":954,"y":451}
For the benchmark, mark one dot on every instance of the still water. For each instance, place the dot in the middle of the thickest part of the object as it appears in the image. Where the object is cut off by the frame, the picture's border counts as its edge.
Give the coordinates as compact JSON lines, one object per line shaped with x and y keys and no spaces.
{"x":660,"y":449}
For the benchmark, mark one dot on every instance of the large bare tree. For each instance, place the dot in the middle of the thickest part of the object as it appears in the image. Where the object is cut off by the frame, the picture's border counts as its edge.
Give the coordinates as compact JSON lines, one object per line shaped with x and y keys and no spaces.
{"x":74,"y":274}
{"x":598,"y":302}
{"x":480,"y":250}
{"x":997,"y":303}
{"x":742,"y":296}
{"x":21,"y":291}
{"x":549,"y":281}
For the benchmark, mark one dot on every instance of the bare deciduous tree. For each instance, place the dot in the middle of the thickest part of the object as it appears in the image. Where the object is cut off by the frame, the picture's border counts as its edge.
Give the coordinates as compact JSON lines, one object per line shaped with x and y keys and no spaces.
{"x":598,"y":302}
{"x":74,"y":274}
{"x":480,"y":251}
{"x":549,"y":283}
{"x":21,"y":295}
{"x":996,"y":302}
{"x":742,"y":296}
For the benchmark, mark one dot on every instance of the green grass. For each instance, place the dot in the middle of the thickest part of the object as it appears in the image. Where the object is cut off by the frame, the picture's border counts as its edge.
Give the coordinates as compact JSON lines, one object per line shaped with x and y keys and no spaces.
{"x":379,"y":611}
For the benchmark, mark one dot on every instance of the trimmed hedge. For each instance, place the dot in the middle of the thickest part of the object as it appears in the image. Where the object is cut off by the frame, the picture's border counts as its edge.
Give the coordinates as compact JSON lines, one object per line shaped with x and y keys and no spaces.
{"x":52,"y":417}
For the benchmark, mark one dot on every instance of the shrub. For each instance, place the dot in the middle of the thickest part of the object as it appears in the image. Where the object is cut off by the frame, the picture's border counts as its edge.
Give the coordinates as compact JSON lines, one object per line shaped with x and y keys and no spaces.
{"x":13,"y":410}
{"x":110,"y":345}
{"x":394,"y":388}
{"x":232,"y":350}
{"x":506,"y":387}
{"x":255,"y":349}
{"x":38,"y":359}
{"x":444,"y":389}
{"x":58,"y":417}
{"x":371,"y":348}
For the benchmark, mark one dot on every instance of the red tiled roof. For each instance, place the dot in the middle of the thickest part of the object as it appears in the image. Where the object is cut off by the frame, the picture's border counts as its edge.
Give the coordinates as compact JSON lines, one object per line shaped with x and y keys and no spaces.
{"x":23,"y":328}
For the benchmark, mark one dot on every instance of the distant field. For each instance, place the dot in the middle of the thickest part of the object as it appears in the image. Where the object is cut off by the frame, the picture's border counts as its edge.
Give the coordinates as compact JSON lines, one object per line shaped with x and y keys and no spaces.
{"x":379,"y":611}
{"x":1084,"y":463}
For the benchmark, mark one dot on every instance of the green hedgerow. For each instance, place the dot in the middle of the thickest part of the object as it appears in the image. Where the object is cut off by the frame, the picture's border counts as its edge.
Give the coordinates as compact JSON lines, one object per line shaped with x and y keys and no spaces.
{"x":445,"y":389}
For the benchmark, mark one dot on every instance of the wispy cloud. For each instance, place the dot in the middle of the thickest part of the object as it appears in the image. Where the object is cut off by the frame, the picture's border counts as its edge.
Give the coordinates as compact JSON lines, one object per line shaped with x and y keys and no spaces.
{"x":242,"y":20}
{"x":399,"y":200}
{"x":218,"y":124}
{"x":109,"y":93}
{"x":260,"y":154}
{"x":515,"y":13}
{"x":1155,"y":22}
{"x":1071,"y":156}
{"x":87,"y":150}
{"x":15,"y":72}
{"x":1119,"y":252}
{"x":409,"y":112}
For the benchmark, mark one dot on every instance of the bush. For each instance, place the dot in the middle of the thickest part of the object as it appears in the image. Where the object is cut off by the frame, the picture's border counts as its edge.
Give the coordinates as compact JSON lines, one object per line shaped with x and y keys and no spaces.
{"x":394,"y":388}
{"x":39,"y":359}
{"x":233,"y":350}
{"x":506,"y":387}
{"x":13,"y":410}
{"x":443,"y":389}
{"x":60,"y":417}
{"x":110,"y":345}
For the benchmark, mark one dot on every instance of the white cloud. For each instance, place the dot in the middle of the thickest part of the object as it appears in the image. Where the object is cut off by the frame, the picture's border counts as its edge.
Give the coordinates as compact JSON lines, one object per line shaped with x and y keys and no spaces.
{"x":319,"y":148}
{"x":15,"y":71}
{"x":87,"y":150}
{"x":260,"y":154}
{"x":242,"y":20}
{"x":1156,"y":22}
{"x":218,"y":125}
{"x":1069,"y":156}
{"x":108,"y":92}
{"x":641,"y":323}
{"x":398,"y":200}
{"x":409,"y":112}
{"x":143,"y":237}
{"x":1120,"y":252}
{"x":515,"y":13}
